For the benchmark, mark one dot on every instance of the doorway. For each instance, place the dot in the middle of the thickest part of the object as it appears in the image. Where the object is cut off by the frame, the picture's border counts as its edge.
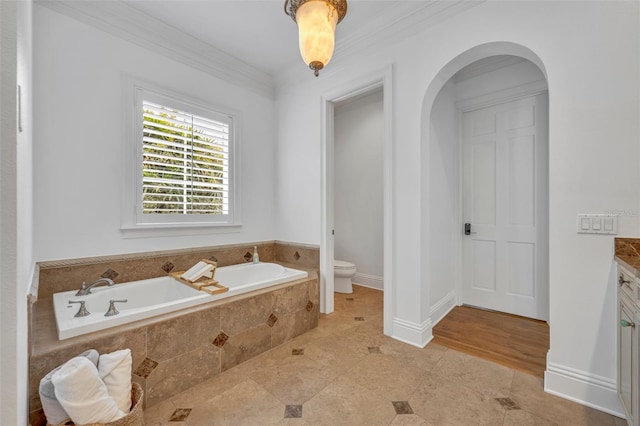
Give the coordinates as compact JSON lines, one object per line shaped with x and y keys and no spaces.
{"x":358,"y":187}
{"x":488,"y":179}
{"x":375,"y":82}
{"x":504,"y":207}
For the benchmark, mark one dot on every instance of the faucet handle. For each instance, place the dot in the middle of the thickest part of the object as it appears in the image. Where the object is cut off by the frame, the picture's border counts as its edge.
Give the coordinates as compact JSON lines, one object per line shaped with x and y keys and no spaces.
{"x":82,"y":312}
{"x":83,"y":290}
{"x":112,"y":307}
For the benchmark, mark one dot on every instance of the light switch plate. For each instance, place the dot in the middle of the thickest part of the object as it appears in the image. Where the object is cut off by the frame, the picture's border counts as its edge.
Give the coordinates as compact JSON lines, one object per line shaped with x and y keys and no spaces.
{"x":606,"y":224}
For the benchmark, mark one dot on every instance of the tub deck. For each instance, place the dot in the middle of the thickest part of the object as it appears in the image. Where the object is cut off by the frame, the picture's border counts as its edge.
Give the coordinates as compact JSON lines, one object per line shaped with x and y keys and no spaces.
{"x":156,"y":296}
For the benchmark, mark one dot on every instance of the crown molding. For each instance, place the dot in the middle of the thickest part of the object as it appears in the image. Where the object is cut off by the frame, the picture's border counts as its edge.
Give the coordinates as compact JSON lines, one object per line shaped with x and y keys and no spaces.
{"x":399,"y":22}
{"x":126,"y":22}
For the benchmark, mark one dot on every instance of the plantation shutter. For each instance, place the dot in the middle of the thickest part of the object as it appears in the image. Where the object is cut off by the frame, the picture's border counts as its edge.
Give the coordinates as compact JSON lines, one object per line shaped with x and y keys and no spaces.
{"x":185,"y":162}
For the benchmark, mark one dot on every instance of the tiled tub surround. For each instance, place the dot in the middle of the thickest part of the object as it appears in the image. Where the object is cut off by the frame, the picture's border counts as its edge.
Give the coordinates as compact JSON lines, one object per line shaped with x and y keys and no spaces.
{"x":64,"y":275}
{"x":176,"y":351}
{"x":156,"y":296}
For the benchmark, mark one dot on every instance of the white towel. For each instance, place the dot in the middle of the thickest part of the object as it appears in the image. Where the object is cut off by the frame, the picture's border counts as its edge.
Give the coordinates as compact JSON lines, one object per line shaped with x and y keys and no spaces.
{"x":52,"y":409}
{"x":83,"y":394}
{"x":115,"y":370}
{"x":196,"y":271}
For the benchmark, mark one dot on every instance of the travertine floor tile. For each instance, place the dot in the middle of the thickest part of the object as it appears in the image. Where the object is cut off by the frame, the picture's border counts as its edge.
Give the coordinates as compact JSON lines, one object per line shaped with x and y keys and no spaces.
{"x":296,"y":378}
{"x":331,"y":351}
{"x":426,"y":358}
{"x":409,"y":420}
{"x":388,"y":378}
{"x":483,"y":376}
{"x":334,"y":323}
{"x":349,"y":373}
{"x":443,"y":402}
{"x":524,"y":418}
{"x":209,"y":389}
{"x":527,"y":391}
{"x":244,"y":404}
{"x":159,"y":414}
{"x":346,"y":403}
{"x":359,"y":339}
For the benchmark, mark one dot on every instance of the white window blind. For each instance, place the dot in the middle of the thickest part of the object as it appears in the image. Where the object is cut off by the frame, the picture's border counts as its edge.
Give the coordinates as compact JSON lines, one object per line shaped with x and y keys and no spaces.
{"x":185,"y":162}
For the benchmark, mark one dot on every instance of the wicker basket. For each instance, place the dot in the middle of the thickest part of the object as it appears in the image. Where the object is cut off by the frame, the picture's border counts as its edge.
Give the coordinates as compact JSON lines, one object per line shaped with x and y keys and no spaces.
{"x":135,"y":416}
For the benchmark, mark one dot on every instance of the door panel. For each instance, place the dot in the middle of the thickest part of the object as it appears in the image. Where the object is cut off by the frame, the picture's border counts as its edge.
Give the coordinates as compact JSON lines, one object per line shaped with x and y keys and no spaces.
{"x":521,"y":279}
{"x":505,"y":177}
{"x":484,"y":176}
{"x":521,"y":181}
{"x":484,"y":261}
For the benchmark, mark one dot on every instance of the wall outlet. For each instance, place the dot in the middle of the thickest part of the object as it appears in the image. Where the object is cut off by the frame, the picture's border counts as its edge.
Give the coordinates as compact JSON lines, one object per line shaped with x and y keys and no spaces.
{"x":606,"y":224}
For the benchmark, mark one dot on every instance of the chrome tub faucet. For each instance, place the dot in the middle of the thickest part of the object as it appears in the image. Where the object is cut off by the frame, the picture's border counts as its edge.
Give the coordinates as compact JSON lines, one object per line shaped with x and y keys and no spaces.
{"x":86,"y":289}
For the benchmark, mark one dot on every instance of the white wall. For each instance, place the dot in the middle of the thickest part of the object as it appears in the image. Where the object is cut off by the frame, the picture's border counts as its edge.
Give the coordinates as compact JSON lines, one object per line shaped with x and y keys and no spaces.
{"x":516,"y":75}
{"x":16,"y":254}
{"x":444,"y":187}
{"x":79,"y":99}
{"x":589,"y":51}
{"x":358,"y":140}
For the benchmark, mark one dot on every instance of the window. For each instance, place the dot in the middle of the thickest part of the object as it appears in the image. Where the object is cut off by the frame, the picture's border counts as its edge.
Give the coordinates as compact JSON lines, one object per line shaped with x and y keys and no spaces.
{"x":184,"y":163}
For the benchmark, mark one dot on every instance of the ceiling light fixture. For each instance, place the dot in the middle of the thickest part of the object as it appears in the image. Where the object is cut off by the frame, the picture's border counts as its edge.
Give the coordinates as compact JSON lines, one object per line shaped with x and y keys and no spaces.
{"x":317,"y":20}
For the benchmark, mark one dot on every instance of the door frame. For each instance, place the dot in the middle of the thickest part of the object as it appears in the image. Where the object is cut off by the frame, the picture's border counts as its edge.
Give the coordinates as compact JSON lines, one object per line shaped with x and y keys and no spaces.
{"x":471,"y":104}
{"x":370,"y":82}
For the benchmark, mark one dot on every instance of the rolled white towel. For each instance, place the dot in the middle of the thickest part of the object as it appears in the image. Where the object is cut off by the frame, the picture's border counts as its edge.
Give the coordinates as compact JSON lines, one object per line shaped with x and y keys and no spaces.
{"x":196,"y":271}
{"x":115,"y":370}
{"x":83,"y":394}
{"x":52,"y":409}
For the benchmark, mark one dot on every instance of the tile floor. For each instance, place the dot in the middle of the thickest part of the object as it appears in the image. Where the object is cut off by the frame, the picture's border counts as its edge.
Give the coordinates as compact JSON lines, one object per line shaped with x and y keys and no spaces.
{"x":346,"y":372}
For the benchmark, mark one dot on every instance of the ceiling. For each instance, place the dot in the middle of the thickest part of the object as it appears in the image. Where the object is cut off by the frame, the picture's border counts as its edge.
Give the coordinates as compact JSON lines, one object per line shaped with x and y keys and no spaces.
{"x":252,"y":43}
{"x":258,"y":32}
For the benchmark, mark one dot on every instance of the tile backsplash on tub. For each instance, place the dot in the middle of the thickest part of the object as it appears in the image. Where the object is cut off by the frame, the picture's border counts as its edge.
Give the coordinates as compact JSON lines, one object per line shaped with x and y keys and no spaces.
{"x":64,"y":275}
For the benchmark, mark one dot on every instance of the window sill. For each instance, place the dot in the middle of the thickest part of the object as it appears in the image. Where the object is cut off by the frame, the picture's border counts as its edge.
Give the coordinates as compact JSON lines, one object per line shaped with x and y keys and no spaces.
{"x":177,"y":230}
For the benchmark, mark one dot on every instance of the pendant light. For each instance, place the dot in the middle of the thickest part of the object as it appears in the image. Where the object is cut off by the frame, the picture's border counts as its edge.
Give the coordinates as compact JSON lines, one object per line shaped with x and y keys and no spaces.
{"x":317,"y":20}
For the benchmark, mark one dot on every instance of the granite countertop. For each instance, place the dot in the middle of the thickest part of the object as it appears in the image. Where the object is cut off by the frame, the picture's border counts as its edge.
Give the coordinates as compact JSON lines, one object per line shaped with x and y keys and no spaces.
{"x":627,"y":253}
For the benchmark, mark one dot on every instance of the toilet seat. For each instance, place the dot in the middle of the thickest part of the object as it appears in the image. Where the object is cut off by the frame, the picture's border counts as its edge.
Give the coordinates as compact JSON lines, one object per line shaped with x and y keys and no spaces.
{"x":341,"y":264}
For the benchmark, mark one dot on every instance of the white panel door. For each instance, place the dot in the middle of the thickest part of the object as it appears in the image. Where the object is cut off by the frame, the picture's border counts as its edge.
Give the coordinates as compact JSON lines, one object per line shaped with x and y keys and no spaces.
{"x":505,"y":193}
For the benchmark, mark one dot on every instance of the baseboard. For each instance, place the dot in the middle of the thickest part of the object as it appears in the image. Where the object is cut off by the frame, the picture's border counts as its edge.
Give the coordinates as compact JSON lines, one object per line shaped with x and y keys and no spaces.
{"x":442,"y":307}
{"x":412,"y":333}
{"x":370,"y":281}
{"x":584,"y":388}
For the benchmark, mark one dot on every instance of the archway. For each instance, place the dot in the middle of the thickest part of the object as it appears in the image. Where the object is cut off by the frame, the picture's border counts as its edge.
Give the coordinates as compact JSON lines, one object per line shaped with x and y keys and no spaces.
{"x":442,"y":301}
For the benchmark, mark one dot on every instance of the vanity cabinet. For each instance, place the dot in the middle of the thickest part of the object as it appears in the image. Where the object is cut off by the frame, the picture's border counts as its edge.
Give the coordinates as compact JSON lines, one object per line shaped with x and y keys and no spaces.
{"x":628,"y":374}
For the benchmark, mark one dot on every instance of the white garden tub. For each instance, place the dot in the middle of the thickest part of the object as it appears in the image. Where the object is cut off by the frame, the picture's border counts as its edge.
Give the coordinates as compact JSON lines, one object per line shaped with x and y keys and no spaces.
{"x":155,"y":296}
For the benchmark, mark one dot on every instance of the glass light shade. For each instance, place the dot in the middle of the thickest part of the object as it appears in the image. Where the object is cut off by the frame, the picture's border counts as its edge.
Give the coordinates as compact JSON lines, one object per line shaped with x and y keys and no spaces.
{"x":317,"y":20}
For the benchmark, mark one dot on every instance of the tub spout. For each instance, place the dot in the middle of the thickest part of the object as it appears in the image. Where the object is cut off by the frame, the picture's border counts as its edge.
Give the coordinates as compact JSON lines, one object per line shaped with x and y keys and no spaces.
{"x":86,"y":289}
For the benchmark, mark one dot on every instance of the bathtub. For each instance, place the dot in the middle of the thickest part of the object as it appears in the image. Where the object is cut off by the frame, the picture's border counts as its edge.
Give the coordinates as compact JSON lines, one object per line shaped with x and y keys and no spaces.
{"x":156,"y":296}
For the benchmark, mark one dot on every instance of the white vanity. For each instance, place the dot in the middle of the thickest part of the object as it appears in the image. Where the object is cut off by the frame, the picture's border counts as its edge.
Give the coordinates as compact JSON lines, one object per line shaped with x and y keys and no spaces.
{"x":628,"y":328}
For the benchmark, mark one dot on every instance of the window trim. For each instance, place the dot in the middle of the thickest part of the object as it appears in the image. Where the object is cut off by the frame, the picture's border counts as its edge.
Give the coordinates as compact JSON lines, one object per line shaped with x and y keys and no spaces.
{"x":134,"y":223}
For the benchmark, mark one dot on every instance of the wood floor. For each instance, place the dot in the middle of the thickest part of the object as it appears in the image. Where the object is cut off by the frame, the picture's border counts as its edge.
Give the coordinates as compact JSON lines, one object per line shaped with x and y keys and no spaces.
{"x":516,"y":342}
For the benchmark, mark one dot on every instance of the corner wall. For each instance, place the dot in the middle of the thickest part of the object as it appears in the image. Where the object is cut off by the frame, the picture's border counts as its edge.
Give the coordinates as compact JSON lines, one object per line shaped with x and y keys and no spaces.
{"x":444,"y":202}
{"x":16,"y":226}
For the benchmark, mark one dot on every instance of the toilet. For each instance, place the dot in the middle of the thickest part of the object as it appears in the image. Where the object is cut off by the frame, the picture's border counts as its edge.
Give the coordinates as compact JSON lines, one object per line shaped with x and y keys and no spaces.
{"x":343,"y":273}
